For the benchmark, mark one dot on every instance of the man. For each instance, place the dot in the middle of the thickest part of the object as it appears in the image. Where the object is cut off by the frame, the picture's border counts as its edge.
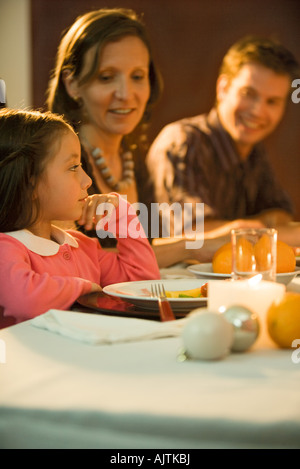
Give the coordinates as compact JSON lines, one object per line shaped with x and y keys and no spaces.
{"x":218,"y":159}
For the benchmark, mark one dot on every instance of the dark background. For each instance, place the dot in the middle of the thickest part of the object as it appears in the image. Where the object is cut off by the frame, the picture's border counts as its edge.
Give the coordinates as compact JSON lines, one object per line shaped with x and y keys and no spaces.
{"x":189,"y":39}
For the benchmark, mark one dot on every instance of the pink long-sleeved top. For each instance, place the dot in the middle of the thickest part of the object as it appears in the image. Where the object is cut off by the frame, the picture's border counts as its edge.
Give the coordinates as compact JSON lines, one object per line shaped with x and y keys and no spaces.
{"x":37,"y":274}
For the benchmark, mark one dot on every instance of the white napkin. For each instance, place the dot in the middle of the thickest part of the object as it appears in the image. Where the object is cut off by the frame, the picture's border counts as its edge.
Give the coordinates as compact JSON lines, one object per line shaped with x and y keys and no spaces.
{"x":98,"y":329}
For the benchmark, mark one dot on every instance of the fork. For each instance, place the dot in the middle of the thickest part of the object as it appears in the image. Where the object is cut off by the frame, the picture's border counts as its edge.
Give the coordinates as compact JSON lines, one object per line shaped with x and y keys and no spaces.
{"x":166,"y":312}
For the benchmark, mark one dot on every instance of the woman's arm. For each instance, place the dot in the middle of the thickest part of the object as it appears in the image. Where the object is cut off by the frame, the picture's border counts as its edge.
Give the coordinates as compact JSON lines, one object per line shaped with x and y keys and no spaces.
{"x":290,"y":234}
{"x":170,"y":251}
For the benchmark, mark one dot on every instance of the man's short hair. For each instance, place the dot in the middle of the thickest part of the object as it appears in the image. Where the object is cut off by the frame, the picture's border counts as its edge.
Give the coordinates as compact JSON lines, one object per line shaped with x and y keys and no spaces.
{"x":267,"y":52}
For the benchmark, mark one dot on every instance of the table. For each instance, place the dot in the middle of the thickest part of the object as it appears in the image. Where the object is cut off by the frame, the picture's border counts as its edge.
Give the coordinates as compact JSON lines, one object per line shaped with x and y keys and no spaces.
{"x":56,"y":392}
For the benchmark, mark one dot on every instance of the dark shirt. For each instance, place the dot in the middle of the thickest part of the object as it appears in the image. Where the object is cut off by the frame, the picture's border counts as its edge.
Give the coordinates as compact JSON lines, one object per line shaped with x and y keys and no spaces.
{"x":194,"y":160}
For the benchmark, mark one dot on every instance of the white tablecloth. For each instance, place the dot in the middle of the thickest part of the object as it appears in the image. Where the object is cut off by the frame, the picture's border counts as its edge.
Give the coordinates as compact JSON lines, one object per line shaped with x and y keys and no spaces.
{"x":56,"y":392}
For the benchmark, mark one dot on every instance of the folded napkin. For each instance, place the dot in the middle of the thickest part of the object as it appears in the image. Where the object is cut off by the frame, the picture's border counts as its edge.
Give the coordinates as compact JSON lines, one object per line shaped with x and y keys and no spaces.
{"x":98,"y":329}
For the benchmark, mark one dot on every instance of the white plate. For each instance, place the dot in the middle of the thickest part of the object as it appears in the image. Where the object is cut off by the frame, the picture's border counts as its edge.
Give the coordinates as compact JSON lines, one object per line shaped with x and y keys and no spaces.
{"x":206,"y":271}
{"x":294,"y":286}
{"x":139,"y":293}
{"x":175,"y":273}
{"x":288,"y":276}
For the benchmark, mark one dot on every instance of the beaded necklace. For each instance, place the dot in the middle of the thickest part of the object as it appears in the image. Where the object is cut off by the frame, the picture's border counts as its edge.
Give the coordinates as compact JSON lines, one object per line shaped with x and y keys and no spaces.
{"x":128,"y":170}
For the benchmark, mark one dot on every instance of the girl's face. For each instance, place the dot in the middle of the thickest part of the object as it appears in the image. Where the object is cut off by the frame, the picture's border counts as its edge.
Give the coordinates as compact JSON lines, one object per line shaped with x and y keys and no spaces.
{"x":115,"y":100}
{"x":62,"y":188}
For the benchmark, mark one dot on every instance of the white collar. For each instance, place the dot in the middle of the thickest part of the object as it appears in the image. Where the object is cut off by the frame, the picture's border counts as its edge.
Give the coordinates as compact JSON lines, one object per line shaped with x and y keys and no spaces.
{"x":42,"y":246}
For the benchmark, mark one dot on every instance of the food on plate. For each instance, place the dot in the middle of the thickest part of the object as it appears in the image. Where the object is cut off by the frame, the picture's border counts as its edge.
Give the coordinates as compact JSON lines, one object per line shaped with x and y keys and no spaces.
{"x":286,"y":258}
{"x":283,"y":320}
{"x":204,"y":289}
{"x":193,"y":293}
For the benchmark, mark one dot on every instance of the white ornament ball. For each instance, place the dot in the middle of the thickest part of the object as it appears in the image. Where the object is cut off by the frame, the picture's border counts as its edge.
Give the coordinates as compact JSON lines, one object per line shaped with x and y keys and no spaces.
{"x":207,"y":335}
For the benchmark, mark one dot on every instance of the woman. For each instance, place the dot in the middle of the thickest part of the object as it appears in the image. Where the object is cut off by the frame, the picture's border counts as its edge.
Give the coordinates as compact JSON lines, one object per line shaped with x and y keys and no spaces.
{"x":105,"y":83}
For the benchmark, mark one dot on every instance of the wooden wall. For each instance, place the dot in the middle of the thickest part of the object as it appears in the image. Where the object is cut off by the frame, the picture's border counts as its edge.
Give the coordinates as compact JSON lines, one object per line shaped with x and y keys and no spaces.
{"x":189,"y":39}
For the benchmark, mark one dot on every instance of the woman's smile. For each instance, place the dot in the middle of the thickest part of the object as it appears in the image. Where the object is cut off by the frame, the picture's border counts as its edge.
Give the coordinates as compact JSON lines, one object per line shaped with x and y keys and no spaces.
{"x":115,"y":100}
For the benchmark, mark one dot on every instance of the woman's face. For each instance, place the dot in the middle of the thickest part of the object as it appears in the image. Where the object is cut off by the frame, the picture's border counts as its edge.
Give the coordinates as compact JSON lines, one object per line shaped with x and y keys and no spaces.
{"x":115,"y":100}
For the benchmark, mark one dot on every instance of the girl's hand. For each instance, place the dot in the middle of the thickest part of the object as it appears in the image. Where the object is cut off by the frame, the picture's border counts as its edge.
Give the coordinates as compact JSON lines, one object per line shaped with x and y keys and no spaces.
{"x":89,"y":217}
{"x":95,"y":288}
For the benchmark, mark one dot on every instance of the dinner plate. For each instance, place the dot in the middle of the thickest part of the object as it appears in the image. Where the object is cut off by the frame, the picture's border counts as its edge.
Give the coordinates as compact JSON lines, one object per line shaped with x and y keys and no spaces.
{"x":294,"y":286}
{"x":287,"y":277}
{"x":206,"y":271}
{"x":175,"y":273}
{"x":139,"y":293}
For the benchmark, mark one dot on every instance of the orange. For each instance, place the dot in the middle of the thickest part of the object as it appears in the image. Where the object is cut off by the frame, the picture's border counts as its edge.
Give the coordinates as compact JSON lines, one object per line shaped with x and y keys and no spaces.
{"x":244,"y":256}
{"x":262,"y":252}
{"x":283,"y":320}
{"x":222,"y":260}
{"x":286,"y":259}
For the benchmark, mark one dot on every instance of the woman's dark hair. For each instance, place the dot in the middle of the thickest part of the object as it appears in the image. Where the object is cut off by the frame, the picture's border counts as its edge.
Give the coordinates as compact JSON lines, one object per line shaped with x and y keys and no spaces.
{"x":27,"y":141}
{"x":96,"y":28}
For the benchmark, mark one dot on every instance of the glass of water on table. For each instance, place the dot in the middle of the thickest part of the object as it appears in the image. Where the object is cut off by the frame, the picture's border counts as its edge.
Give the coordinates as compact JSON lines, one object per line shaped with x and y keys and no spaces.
{"x":254,"y":252}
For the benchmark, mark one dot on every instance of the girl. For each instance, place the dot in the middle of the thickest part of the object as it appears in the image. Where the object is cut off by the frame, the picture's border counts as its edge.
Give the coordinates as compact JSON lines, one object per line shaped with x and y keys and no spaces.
{"x":41,"y":180}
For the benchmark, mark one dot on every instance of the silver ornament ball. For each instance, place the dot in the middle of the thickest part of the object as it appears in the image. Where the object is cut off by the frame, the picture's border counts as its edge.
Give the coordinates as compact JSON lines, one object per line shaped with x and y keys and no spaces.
{"x":246,"y":327}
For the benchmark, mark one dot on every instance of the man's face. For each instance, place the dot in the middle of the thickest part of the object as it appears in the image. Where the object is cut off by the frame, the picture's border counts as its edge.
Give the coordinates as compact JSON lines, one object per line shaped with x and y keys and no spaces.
{"x":251,"y":106}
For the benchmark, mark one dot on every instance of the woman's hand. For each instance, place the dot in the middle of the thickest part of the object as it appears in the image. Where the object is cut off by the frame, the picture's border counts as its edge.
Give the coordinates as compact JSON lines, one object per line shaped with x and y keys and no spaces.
{"x":89,"y":217}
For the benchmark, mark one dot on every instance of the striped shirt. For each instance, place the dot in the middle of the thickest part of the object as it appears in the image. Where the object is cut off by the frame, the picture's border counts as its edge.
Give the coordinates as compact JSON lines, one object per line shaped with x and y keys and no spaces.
{"x":194,"y":160}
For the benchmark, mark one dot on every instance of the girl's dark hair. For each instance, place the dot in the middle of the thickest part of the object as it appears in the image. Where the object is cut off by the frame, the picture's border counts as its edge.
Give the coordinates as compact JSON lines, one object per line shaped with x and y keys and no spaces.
{"x":96,"y":28}
{"x":27,"y":140}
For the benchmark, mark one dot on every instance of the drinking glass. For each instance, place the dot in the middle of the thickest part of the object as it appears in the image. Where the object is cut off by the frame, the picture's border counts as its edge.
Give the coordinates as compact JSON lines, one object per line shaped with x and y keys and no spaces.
{"x":254,"y":251}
